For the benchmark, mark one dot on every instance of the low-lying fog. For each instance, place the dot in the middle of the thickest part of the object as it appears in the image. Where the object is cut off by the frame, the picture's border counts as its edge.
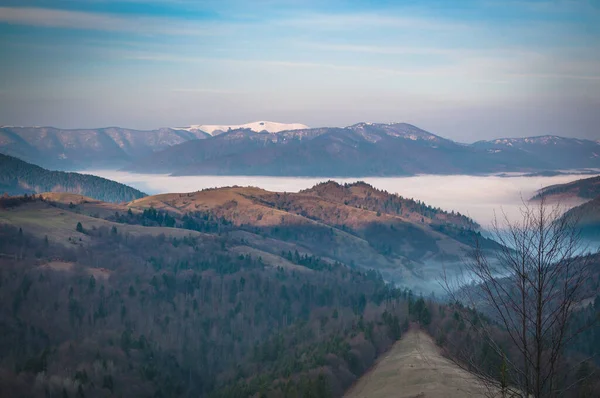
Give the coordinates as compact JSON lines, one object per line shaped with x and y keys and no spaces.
{"x":475,"y":196}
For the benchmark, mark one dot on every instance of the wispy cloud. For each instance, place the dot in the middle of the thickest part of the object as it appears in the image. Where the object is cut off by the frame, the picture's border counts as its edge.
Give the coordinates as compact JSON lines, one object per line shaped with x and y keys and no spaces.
{"x":205,"y":91}
{"x":335,"y":21}
{"x":557,"y":6}
{"x":391,"y":50}
{"x":54,"y":18}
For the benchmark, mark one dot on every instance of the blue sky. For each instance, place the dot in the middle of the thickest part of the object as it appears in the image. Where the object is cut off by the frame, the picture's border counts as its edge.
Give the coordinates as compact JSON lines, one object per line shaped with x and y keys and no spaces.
{"x":467,"y":70}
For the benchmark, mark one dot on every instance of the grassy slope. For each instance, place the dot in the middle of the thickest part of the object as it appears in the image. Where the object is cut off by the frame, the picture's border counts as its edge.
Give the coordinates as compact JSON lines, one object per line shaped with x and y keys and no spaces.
{"x":59,"y":224}
{"x":42,"y":219}
{"x":414,"y":367}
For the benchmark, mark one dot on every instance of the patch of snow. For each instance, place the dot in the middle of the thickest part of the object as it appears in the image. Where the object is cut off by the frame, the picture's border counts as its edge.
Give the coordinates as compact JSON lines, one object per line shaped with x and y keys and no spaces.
{"x":270,"y":127}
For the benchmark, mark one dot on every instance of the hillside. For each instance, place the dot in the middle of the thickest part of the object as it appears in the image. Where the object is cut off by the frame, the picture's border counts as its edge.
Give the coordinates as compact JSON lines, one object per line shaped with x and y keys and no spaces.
{"x":19,"y":177}
{"x":59,"y":226}
{"x":87,"y":148}
{"x":405,"y":240}
{"x":229,"y":292}
{"x":363,"y":149}
{"x":584,"y":189}
{"x":157,"y":315}
{"x":588,"y":215}
{"x":415,"y":367}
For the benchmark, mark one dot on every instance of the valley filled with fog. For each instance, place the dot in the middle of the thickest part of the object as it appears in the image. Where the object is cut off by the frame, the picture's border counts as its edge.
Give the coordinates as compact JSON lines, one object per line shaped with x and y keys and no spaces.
{"x":475,"y":196}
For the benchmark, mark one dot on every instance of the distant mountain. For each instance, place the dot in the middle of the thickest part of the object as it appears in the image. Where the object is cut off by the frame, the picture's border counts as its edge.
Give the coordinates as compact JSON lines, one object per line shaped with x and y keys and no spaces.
{"x":278,"y":149}
{"x":87,"y":148}
{"x":364,"y":149}
{"x":18,"y":177}
{"x":258,"y":127}
{"x":549,"y":151}
{"x":586,"y":189}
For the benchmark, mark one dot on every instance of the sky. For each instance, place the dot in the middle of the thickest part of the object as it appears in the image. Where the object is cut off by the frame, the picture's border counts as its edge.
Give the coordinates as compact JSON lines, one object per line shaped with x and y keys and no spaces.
{"x":463,"y":69}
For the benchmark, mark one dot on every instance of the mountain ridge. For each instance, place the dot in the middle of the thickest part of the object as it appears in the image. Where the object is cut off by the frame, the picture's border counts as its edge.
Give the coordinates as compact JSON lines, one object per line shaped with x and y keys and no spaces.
{"x":68,"y":149}
{"x":585,"y":189}
{"x":359,"y":150}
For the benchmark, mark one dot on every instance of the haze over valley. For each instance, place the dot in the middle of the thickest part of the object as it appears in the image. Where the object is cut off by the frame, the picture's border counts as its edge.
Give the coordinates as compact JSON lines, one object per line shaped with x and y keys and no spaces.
{"x":476,"y":196}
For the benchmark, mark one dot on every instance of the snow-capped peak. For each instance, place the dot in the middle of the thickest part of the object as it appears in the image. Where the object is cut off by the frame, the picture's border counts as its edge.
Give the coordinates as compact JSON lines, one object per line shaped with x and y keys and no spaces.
{"x":270,"y":127}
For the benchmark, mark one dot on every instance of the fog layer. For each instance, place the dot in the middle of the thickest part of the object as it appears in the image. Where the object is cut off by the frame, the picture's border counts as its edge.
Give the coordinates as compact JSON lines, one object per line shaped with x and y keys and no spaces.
{"x":476,"y":196}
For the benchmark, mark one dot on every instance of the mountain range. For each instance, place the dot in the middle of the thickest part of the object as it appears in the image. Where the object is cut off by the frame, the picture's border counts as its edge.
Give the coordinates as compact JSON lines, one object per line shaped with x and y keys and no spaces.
{"x":263,"y":148}
{"x":365,"y":149}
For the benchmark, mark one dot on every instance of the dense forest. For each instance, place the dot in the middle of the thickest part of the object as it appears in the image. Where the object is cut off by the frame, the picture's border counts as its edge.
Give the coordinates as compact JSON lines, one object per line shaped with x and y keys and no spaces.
{"x":165,"y":317}
{"x":19,"y":177}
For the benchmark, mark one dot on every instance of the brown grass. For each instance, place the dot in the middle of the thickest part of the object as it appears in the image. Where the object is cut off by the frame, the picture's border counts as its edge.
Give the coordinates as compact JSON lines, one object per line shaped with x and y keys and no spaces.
{"x":62,"y":266}
{"x":414,"y":367}
{"x":41,"y":219}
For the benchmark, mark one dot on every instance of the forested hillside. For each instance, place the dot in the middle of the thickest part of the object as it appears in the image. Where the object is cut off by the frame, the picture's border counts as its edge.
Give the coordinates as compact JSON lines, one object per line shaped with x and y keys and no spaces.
{"x":183,"y":317}
{"x":588,"y":218}
{"x":587,"y":188}
{"x":147,"y":302}
{"x":19,"y":177}
{"x":405,"y":240}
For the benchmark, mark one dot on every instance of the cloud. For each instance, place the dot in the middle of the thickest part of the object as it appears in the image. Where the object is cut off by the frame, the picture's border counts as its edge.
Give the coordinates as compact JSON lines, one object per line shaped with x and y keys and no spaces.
{"x":53,"y":18}
{"x":205,"y":91}
{"x":391,"y":50}
{"x":353,"y":21}
{"x":556,"y":6}
{"x":282,"y":63}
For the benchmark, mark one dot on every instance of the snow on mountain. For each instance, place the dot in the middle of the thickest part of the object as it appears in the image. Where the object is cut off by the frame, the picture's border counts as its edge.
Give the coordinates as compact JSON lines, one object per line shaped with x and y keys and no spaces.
{"x":542,"y":139}
{"x":270,"y":127}
{"x":400,"y":130}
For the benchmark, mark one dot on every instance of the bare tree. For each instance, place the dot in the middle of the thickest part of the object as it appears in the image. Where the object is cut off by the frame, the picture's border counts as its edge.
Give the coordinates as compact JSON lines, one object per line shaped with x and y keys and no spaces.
{"x":529,"y":287}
